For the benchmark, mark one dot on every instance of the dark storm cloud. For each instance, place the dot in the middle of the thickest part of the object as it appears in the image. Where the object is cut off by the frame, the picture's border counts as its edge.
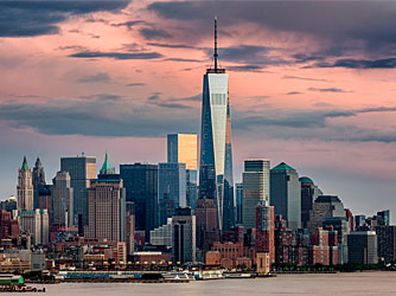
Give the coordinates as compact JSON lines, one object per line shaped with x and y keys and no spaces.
{"x":116,"y":55}
{"x":33,"y":18}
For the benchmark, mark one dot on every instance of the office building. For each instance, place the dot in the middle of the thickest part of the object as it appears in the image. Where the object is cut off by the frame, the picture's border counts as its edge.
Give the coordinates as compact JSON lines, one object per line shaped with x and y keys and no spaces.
{"x":183,"y":236}
{"x":265,"y":227}
{"x":183,"y":148}
{"x":207,"y":229}
{"x":285,"y":194}
{"x":215,"y":170}
{"x":38,"y":180}
{"x":62,"y":200}
{"x":239,"y":202}
{"x":171,"y":189}
{"x":141,"y":184}
{"x":81,"y":169}
{"x":360,"y":221}
{"x":309,"y":192}
{"x":36,"y":224}
{"x":25,"y":187}
{"x":162,"y":235}
{"x":362,"y":247}
{"x":324,"y":207}
{"x":383,"y":217}
{"x":256,"y":188}
{"x":106,"y":207}
{"x":386,"y":242}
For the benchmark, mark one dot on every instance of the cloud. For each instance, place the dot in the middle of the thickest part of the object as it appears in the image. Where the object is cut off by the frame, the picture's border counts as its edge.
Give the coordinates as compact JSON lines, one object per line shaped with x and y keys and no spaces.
{"x":304,"y":78}
{"x":128,"y":24}
{"x":154,"y":34}
{"x":292,"y":93}
{"x":175,"y":46}
{"x":133,"y":84}
{"x":388,"y":63}
{"x":100,"y":77}
{"x":157,"y":100}
{"x":117,"y":55}
{"x":328,"y":89}
{"x":33,"y":18}
{"x":184,"y":60}
{"x":104,"y":115}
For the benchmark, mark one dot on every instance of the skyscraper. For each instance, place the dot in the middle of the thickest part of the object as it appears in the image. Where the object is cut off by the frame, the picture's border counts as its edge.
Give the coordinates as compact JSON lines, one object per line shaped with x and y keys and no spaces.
{"x":309,"y":192}
{"x":106,"y":206}
{"x":362,"y":247}
{"x":183,"y":236}
{"x":215,"y":171}
{"x":25,"y":187}
{"x":256,"y":188}
{"x":171,"y":189}
{"x":239,"y":202}
{"x":81,"y":169}
{"x":62,"y":199}
{"x":285,"y":194}
{"x":141,"y":184}
{"x":265,"y":227}
{"x":38,"y":177}
{"x":183,"y":148}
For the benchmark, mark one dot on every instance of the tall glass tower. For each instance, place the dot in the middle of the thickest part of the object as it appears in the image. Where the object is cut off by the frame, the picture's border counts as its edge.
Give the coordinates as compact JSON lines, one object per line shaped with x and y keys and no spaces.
{"x":215,"y":173}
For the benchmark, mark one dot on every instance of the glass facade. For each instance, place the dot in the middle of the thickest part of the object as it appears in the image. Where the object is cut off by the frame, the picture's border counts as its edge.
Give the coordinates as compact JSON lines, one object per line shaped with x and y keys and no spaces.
{"x":215,"y":174}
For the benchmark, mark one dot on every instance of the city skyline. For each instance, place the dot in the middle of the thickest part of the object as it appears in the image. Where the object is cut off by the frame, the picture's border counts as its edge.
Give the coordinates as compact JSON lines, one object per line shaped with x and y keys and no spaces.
{"x":313,"y":111}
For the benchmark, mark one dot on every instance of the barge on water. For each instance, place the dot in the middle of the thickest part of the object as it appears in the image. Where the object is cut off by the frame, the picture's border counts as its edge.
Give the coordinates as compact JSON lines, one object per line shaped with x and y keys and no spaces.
{"x":10,"y":283}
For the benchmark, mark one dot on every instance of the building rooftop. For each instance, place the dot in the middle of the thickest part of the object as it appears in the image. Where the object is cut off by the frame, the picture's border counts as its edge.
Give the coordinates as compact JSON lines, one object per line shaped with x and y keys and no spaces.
{"x":283,"y":167}
{"x":306,"y":180}
{"x":25,"y":165}
{"x":327,"y":199}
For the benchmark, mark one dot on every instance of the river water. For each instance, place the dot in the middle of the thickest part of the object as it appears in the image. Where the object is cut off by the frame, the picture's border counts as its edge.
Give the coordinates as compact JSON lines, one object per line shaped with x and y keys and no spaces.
{"x":343,"y":284}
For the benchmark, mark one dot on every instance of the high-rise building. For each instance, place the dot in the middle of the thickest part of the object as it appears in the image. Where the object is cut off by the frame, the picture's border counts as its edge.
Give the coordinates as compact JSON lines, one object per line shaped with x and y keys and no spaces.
{"x":62,"y":200}
{"x":239,"y":202}
{"x":207,"y":229}
{"x":106,"y":207}
{"x":38,"y":179}
{"x":215,"y":171}
{"x":141,"y":184}
{"x":383,"y":217}
{"x":183,"y":148}
{"x":256,"y":188}
{"x":265,"y":227}
{"x":162,"y":235}
{"x":362,"y":247}
{"x":130,"y":227}
{"x":325,"y":207}
{"x":81,"y":169}
{"x":35,"y":223}
{"x":183,"y":236}
{"x":285,"y":194}
{"x":25,"y":187}
{"x":171,"y":189}
{"x":10,"y":204}
{"x":386,"y":241}
{"x":360,"y":221}
{"x":309,"y":192}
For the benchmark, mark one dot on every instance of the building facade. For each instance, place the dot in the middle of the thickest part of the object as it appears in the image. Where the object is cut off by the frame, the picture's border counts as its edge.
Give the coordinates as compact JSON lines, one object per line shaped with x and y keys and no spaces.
{"x":256,"y":188}
{"x":362,"y":247}
{"x":215,"y":170}
{"x":285,"y":194}
{"x":183,"y":236}
{"x":81,"y":169}
{"x":309,"y":192}
{"x":62,"y":199}
{"x":25,"y":187}
{"x":38,"y":178}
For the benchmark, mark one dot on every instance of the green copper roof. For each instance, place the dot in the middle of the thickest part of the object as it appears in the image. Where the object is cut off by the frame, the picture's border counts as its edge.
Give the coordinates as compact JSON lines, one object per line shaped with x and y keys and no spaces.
{"x":25,"y":165}
{"x":283,"y":167}
{"x":106,"y":167}
{"x":306,"y":180}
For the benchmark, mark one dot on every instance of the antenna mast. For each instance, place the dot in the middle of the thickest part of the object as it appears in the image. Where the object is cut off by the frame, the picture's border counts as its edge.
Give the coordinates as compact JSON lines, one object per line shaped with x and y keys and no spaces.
{"x":215,"y":55}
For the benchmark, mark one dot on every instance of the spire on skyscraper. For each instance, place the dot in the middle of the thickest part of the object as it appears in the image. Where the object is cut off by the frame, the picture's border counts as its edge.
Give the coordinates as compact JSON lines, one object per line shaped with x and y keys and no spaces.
{"x":215,"y":55}
{"x":25,"y":165}
{"x":38,"y":163}
{"x":106,"y":167}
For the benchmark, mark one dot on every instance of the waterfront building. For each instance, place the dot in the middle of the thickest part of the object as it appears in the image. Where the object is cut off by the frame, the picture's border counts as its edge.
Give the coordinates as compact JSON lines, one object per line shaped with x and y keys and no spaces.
{"x":324,"y":247}
{"x":141,"y":184}
{"x":81,"y":169}
{"x":386,"y":242}
{"x":106,"y":207}
{"x":265,"y":227}
{"x":362,"y":247}
{"x":9,"y":228}
{"x":130,"y":226}
{"x":38,"y":180}
{"x":62,"y":200}
{"x":171,"y":189}
{"x":183,"y":236}
{"x":207,"y":229}
{"x":162,"y":235}
{"x":215,"y":170}
{"x":349,"y":219}
{"x":309,"y":192}
{"x":25,"y":187}
{"x":256,"y":188}
{"x":285,"y":194}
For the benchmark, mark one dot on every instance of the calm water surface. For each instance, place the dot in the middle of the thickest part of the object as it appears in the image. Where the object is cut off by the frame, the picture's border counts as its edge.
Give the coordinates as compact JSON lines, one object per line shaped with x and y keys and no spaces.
{"x":365,"y":283}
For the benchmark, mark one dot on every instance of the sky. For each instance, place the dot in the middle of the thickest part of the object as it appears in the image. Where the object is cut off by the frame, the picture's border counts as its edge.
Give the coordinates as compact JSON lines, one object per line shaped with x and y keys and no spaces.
{"x":311,"y":84}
